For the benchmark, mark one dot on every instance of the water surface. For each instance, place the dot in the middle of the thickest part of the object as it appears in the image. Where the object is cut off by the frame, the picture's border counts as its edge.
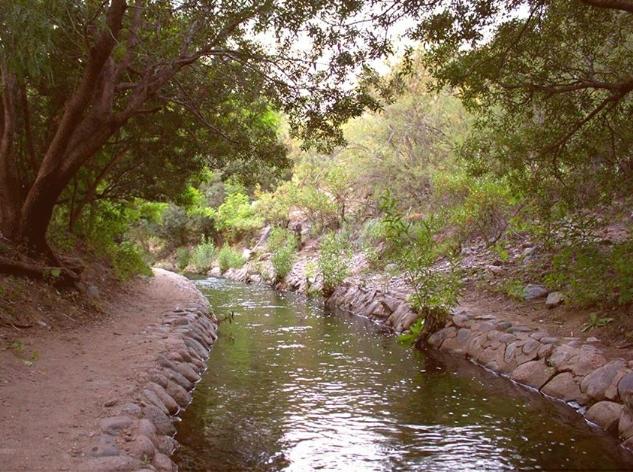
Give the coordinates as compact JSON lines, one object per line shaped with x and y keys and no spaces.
{"x":291,"y":387}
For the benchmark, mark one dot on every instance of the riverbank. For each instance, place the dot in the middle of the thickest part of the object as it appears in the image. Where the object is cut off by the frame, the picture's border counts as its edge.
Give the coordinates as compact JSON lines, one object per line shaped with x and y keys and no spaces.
{"x":102,"y":395}
{"x":523,"y":342}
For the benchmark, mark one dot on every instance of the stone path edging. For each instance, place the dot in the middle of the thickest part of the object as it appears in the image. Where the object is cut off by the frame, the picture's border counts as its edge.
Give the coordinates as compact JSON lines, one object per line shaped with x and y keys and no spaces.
{"x":571,"y":370}
{"x":141,"y":436}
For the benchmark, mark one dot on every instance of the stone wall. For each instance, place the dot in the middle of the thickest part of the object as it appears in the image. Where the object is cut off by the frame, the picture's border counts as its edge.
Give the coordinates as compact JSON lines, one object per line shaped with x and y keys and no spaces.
{"x":578,"y":373}
{"x":140,"y":436}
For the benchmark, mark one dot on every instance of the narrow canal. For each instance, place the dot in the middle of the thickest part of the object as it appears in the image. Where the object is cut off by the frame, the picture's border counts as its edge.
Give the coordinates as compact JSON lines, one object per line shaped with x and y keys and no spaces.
{"x":292,"y":387}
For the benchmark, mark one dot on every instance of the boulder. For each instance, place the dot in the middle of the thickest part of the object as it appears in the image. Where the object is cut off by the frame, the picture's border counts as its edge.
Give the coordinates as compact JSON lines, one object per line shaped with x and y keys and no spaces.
{"x":533,"y":373}
{"x":595,"y":384}
{"x":534,"y":292}
{"x":625,"y":425}
{"x":564,"y":387}
{"x":605,"y":414}
{"x":554,"y":299}
{"x":114,"y":424}
{"x":160,"y":420}
{"x":111,"y":464}
{"x":625,"y":389}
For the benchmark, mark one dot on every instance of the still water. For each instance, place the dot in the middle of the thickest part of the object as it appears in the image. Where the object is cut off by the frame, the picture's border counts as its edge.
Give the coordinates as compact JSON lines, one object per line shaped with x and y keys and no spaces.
{"x":292,"y":387}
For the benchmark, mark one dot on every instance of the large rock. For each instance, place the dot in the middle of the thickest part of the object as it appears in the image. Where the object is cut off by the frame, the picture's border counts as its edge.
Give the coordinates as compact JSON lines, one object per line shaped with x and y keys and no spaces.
{"x":111,"y":464}
{"x":605,"y":414}
{"x":595,"y":384}
{"x":160,"y":420}
{"x":114,"y":424}
{"x":534,"y":292}
{"x":533,"y":373}
{"x":625,"y":389}
{"x":625,"y":425}
{"x":564,"y":387}
{"x":588,"y":360}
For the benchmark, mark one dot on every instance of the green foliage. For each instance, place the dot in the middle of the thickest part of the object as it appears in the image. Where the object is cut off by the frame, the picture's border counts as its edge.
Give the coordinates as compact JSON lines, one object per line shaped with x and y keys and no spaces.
{"x":416,"y":253}
{"x":411,"y":336}
{"x":229,"y":258}
{"x":595,"y":322}
{"x":593,"y":275}
{"x":183,"y":256}
{"x":202,"y":256}
{"x":514,"y":289}
{"x":236,"y":217}
{"x":283,"y":246}
{"x":128,"y":261}
{"x":334,"y":257}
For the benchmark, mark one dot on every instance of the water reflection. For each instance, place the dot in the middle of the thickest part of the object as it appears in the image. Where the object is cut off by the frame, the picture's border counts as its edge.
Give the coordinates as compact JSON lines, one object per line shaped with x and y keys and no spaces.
{"x":291,"y":388}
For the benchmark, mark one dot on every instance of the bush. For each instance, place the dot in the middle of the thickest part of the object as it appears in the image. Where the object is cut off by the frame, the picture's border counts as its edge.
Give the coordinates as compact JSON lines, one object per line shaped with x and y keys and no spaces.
{"x":202,"y":256}
{"x":334,"y":258}
{"x":283,"y":246}
{"x":127,"y":261}
{"x":593,"y":275}
{"x":236,"y":217}
{"x":183,"y":257}
{"x":229,"y":258}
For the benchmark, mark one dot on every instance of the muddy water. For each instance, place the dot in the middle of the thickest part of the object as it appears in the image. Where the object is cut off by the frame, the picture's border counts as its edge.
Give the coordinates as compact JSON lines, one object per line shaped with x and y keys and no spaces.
{"x":291,"y":387}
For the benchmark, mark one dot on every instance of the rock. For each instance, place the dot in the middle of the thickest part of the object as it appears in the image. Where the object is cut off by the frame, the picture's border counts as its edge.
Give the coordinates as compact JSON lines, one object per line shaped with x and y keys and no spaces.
{"x":554,"y":299}
{"x":565,"y":387}
{"x":533,"y":373}
{"x":110,"y":403}
{"x":132,"y":409}
{"x":534,"y":292}
{"x":111,"y":464}
{"x":142,"y":448}
{"x":605,"y":414}
{"x":104,"y":446}
{"x":166,"y":445}
{"x":163,"y":463}
{"x":178,"y":393}
{"x":625,"y":389}
{"x":160,"y":420}
{"x":215,"y":272}
{"x":114,"y":424}
{"x":165,"y":398}
{"x":179,"y":379}
{"x":92,"y":291}
{"x":153,"y":399}
{"x":588,"y":360}
{"x":625,"y":425}
{"x":595,"y":384}
{"x":147,"y":428}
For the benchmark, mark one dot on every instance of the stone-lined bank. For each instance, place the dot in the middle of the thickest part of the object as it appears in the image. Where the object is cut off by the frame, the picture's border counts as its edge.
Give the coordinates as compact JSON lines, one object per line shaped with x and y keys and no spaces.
{"x":140,"y":435}
{"x":568,"y":369}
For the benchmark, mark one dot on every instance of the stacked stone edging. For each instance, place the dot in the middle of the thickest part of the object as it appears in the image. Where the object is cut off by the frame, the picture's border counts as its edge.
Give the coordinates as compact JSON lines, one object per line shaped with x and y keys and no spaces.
{"x":568,"y":369}
{"x":141,"y":436}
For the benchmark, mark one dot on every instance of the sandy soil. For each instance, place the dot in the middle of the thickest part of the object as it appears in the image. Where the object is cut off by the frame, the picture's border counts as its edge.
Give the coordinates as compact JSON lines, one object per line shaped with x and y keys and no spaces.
{"x":55,"y":385}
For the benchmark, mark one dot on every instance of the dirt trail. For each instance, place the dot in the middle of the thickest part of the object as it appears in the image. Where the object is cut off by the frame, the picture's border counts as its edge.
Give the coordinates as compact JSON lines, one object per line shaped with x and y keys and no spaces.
{"x":50,"y":403}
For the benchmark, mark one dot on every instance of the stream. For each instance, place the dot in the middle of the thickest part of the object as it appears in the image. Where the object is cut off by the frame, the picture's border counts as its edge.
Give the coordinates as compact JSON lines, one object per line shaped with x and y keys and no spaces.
{"x":292,"y":387}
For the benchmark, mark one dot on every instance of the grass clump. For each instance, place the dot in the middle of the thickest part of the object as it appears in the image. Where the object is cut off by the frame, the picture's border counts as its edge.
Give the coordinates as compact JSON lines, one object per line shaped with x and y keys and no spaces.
{"x":230,"y":258}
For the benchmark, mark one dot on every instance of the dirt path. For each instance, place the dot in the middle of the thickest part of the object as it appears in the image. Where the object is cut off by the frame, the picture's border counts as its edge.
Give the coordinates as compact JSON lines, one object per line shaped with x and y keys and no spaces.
{"x":55,"y":386}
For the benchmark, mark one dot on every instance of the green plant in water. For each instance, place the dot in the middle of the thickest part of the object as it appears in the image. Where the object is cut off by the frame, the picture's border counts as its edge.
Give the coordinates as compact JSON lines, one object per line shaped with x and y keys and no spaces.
{"x":595,"y":322}
{"x":411,"y":336}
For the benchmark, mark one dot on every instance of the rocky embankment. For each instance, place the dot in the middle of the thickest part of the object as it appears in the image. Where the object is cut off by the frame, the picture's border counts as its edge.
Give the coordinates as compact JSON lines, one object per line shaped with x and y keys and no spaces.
{"x":139,"y":434}
{"x":582,"y":373}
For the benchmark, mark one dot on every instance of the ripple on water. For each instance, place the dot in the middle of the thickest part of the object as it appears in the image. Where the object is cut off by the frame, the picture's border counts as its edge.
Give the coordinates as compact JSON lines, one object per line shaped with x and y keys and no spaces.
{"x":290,"y":389}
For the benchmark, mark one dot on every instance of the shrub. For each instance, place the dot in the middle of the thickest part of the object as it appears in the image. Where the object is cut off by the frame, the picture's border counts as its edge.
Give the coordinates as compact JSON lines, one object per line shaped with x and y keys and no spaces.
{"x":183,"y":257}
{"x":334,"y":257}
{"x":593,"y":275}
{"x":127,"y":261}
{"x":283,"y":246}
{"x":236,"y":217}
{"x":202,"y":256}
{"x":229,"y":258}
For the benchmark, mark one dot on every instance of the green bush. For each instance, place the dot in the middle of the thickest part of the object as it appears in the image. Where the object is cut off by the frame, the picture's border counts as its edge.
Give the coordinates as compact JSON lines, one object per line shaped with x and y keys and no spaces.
{"x":592,"y":275}
{"x":283,"y":246}
{"x":334,"y":258}
{"x":202,"y":256}
{"x":127,"y":261}
{"x":229,"y":258}
{"x":183,"y":257}
{"x":236,"y":217}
